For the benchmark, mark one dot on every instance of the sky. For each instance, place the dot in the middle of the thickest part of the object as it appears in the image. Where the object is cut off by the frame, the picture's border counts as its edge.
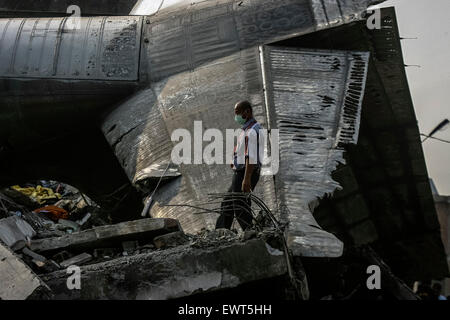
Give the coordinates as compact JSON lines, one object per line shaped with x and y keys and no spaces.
{"x":429,"y":22}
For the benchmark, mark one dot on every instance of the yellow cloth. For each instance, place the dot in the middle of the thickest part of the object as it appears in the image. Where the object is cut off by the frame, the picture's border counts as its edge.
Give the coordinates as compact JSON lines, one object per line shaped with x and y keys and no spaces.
{"x":39,"y":194}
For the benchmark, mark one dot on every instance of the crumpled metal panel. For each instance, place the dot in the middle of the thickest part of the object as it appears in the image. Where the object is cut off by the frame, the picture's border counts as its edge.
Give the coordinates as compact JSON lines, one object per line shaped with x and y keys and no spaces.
{"x":140,"y":131}
{"x":200,"y":58}
{"x":186,"y":35}
{"x":138,"y":135}
{"x":186,"y":39}
{"x":314,"y":99}
{"x":327,"y":11}
{"x":104,"y":48}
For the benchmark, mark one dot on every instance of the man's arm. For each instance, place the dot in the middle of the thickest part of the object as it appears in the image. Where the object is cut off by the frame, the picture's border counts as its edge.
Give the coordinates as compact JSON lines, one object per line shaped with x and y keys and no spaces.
{"x":247,"y":182}
{"x":251,"y":157}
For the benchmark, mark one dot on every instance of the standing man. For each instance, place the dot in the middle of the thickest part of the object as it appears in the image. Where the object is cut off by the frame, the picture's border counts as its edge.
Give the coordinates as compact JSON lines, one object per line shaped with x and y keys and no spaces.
{"x":246,"y":166}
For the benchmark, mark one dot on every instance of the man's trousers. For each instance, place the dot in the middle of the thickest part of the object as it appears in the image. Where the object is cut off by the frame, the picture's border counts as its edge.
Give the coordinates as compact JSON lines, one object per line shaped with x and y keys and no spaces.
{"x":237,"y":206}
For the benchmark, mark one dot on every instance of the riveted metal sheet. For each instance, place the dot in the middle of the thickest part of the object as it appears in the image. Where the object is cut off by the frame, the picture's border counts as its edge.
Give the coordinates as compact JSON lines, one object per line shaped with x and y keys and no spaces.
{"x":307,"y":100}
{"x":141,"y":128}
{"x":103,"y":48}
{"x":262,"y":23}
{"x":186,"y":35}
{"x":315,"y":100}
{"x":188,"y":38}
{"x":330,"y":13}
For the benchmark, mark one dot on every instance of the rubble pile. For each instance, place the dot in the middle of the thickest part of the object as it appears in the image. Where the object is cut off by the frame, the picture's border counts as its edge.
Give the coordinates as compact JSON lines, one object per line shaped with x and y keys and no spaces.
{"x":36,"y":214}
{"x":173,"y":272}
{"x":52,"y":208}
{"x":211,"y":238}
{"x":46,"y":228}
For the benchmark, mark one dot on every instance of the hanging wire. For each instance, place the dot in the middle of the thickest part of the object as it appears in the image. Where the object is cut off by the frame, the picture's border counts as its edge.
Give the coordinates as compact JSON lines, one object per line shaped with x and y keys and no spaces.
{"x":434,"y":138}
{"x":235,"y":198}
{"x":149,"y":200}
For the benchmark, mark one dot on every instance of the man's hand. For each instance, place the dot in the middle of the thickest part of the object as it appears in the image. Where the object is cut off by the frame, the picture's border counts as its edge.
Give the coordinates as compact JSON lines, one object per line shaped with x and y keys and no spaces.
{"x":246,"y":186}
{"x":246,"y":183}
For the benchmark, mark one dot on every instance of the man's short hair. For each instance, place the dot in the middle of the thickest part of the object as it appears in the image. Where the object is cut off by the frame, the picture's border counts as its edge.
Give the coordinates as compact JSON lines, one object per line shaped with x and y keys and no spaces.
{"x":244,"y":105}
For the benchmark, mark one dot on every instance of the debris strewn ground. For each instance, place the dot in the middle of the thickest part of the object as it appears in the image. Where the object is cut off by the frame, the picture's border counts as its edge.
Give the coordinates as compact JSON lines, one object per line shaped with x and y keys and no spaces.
{"x":48,"y":227}
{"x":175,"y":272}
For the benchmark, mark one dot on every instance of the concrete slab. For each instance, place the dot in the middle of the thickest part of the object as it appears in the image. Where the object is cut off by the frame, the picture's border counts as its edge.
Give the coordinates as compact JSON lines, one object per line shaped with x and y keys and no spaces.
{"x":173,"y":273}
{"x":17,"y":281}
{"x":107,"y":236}
{"x":77,"y":260}
{"x":15,"y":232}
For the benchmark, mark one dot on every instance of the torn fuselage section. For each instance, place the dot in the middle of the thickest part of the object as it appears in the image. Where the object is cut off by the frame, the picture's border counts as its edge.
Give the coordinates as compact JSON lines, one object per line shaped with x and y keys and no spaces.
{"x":312,"y":97}
{"x":198,"y":60}
{"x":315,"y":100}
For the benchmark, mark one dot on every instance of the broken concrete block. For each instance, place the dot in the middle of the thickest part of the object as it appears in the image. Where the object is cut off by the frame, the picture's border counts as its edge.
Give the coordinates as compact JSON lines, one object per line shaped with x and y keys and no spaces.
{"x":15,"y":232}
{"x":17,"y":281}
{"x":108,"y":236}
{"x":173,"y":273}
{"x":77,"y":260}
{"x":84,"y":219}
{"x":34,"y":255}
{"x":171,"y":240}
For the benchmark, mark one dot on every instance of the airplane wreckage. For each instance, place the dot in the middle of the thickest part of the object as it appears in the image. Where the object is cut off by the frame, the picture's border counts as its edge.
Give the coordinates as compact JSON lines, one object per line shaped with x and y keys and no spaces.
{"x":94,"y":105}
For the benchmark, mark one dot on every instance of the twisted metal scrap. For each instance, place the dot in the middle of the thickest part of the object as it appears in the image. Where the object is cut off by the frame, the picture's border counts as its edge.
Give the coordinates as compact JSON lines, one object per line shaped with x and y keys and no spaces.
{"x":264,"y":211}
